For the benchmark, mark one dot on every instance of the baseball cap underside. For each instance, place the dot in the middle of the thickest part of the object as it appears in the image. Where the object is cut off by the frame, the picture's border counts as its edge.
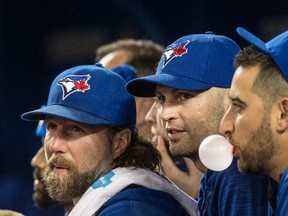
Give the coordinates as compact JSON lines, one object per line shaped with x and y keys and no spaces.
{"x":69,"y":113}
{"x":145,"y":86}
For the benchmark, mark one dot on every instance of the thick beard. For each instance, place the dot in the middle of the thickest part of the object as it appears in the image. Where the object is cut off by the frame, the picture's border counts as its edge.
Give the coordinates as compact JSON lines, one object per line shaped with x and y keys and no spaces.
{"x":75,"y":184}
{"x":257,"y":156}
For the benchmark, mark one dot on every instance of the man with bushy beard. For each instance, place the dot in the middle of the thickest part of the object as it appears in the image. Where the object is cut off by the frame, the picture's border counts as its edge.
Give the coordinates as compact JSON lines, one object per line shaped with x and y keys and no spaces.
{"x":41,"y":197}
{"x":93,"y":152}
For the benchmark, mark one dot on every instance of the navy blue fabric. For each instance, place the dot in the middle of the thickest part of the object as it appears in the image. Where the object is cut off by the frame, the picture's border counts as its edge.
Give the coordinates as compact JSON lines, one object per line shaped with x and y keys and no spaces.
{"x":142,"y":201}
{"x":272,"y":196}
{"x":282,"y":205}
{"x":182,"y":166}
{"x":230,"y":192}
{"x":127,"y":72}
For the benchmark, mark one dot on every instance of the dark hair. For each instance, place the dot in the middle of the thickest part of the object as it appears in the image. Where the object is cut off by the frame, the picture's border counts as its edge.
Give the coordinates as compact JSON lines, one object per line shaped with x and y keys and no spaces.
{"x":145,"y":54}
{"x":269,"y":79}
{"x":140,"y":153}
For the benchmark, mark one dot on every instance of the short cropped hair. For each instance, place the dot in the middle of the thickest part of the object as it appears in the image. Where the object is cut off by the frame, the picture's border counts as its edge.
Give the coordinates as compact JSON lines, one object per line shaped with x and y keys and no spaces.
{"x":270,"y":85}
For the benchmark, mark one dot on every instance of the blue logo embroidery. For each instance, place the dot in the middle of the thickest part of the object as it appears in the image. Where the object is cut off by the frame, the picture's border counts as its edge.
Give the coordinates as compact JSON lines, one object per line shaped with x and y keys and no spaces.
{"x":74,"y":83}
{"x":174,"y":50}
{"x":103,"y":181}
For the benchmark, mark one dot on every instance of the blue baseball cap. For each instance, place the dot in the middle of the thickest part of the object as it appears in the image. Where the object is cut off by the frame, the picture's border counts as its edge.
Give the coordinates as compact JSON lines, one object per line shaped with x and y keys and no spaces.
{"x":194,"y":62}
{"x":89,"y":94}
{"x":41,"y":129}
{"x":127,"y":72}
{"x":277,"y":48}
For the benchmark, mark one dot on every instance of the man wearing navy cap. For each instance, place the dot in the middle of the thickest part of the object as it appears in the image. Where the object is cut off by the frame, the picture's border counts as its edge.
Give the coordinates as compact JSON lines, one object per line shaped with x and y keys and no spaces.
{"x":256,"y":122}
{"x":41,"y":197}
{"x":94,"y":156}
{"x":191,"y":83}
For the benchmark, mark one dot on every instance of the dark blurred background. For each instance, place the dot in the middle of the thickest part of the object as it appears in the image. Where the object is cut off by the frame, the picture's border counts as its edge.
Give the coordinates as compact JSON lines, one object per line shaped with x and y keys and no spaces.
{"x":40,"y":38}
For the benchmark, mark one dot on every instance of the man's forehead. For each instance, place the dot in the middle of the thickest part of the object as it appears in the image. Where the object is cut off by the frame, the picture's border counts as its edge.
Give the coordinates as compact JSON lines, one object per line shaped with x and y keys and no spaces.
{"x":165,"y":90}
{"x":115,"y":58}
{"x":242,"y":82}
{"x":64,"y":120}
{"x":161,"y":89}
{"x":235,"y":91}
{"x":68,"y":122}
{"x":60,"y":120}
{"x":244,"y":78}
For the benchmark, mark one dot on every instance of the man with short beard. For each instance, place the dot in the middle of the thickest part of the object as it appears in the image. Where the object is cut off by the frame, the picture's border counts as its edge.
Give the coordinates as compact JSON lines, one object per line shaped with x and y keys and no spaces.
{"x":94,"y":155}
{"x":191,"y":84}
{"x":256,"y":122}
{"x":180,"y":170}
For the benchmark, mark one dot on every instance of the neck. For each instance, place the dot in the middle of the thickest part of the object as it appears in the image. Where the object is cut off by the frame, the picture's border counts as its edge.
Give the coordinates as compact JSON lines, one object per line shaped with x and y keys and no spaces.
{"x":199,"y":165}
{"x":279,"y":160}
{"x":69,"y":206}
{"x":276,"y":172}
{"x":75,"y":200}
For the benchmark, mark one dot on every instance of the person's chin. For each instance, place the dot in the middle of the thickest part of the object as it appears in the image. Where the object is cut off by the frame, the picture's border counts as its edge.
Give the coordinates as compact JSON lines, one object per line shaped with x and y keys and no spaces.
{"x":42,"y":200}
{"x":242,"y":166}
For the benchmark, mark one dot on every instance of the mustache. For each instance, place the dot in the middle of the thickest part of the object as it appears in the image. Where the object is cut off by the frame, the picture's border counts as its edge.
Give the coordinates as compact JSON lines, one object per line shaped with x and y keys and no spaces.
{"x":56,"y":159}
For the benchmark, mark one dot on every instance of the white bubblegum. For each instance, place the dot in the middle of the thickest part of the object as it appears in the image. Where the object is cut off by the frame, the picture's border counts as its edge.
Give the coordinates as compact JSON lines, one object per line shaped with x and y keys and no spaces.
{"x":216,"y":153}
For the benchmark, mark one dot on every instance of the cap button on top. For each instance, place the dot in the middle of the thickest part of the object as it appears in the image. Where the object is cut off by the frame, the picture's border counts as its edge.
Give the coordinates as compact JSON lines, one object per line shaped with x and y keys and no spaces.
{"x":99,"y":65}
{"x":209,"y":32}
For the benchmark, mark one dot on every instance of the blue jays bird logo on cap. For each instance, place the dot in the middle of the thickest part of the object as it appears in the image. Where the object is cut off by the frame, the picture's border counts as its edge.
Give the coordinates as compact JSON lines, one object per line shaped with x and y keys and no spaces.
{"x":74,"y":83}
{"x":174,"y":50}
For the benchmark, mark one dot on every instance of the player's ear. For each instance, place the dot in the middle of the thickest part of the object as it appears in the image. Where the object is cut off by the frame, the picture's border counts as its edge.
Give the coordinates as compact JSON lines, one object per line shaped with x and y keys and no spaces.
{"x":121,"y":141}
{"x":282,"y":123}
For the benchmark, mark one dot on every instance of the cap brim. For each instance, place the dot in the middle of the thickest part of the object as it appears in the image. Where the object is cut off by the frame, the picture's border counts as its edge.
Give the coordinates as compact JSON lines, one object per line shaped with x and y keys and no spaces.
{"x":252,"y":39}
{"x":145,"y":86}
{"x":64,"y":112}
